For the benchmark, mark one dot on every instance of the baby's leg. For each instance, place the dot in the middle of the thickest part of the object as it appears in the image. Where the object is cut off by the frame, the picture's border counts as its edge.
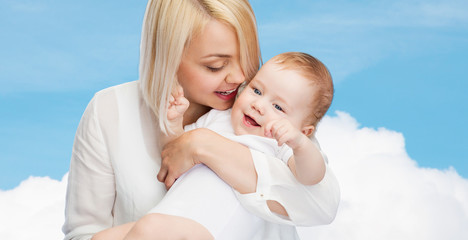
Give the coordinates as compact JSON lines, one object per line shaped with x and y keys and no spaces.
{"x":117,"y":232}
{"x":161,"y":227}
{"x":201,"y":196}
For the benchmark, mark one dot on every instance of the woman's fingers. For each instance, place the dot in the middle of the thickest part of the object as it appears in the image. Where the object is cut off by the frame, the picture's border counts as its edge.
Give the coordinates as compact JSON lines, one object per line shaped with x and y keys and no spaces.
{"x":169,"y":181}
{"x":176,"y":159}
{"x":165,"y":176}
{"x":162,"y":173}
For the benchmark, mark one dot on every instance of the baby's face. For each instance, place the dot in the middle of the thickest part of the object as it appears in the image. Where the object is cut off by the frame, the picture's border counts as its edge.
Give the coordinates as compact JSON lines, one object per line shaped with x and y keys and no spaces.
{"x":273,"y":94}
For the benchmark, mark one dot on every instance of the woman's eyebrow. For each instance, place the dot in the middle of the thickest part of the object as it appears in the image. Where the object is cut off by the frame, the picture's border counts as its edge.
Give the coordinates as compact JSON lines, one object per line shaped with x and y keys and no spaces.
{"x":218,"y":55}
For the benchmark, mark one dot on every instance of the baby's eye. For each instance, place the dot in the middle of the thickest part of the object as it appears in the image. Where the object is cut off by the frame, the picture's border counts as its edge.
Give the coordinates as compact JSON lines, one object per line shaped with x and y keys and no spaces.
{"x":278,"y":107}
{"x":256,"y":91}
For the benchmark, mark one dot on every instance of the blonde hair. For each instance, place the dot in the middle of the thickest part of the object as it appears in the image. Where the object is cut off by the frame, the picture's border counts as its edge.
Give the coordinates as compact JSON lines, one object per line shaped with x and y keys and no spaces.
{"x":318,"y":74}
{"x":169,"y":26}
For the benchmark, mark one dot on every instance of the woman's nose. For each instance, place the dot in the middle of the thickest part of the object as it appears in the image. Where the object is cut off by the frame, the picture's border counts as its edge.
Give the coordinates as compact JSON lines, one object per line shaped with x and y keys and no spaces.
{"x":236,"y":75}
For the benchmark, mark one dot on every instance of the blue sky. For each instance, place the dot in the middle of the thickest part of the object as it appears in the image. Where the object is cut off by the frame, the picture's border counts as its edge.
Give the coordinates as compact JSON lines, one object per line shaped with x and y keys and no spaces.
{"x":399,"y":65}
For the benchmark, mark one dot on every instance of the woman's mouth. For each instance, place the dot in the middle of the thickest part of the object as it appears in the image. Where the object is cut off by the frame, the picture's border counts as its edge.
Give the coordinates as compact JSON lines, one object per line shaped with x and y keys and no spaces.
{"x":227,"y":95}
{"x":250,"y":121}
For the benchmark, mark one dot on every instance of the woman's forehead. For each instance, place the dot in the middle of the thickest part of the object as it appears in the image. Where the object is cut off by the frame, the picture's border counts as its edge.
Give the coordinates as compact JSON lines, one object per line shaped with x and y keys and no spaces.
{"x":217,"y":39}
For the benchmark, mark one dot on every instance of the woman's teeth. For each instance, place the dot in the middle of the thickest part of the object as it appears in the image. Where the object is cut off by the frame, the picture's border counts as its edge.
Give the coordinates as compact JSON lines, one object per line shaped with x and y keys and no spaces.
{"x":227,"y":92}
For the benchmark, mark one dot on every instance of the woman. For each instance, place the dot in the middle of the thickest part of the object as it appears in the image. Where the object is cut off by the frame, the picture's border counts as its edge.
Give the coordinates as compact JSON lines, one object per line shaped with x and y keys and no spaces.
{"x":115,"y":157}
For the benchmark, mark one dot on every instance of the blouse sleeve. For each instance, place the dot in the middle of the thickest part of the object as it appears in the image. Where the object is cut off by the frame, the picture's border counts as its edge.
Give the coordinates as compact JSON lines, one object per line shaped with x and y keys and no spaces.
{"x":91,"y":186}
{"x":307,"y":205}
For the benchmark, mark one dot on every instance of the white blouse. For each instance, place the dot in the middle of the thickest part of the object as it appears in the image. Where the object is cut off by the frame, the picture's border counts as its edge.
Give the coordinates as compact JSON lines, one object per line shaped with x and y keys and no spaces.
{"x":115,"y":161}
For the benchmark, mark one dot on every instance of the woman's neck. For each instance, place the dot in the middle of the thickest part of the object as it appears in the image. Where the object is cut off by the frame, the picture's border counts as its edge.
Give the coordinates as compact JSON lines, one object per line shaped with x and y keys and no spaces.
{"x":194,"y":112}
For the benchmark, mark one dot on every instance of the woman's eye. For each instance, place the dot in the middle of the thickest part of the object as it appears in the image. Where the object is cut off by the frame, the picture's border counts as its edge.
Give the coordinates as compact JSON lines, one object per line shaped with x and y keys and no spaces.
{"x":217,"y":66}
{"x":214,"y":69}
{"x":256,"y":91}
{"x":278,"y":107}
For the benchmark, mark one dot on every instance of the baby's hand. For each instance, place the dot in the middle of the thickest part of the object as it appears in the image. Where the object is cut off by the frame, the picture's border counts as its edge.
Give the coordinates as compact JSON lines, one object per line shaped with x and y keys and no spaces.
{"x":177,"y":105}
{"x":284,"y":132}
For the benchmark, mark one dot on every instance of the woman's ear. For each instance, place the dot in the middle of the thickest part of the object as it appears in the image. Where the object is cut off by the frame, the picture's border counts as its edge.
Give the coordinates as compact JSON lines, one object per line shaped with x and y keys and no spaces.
{"x":308,"y":130}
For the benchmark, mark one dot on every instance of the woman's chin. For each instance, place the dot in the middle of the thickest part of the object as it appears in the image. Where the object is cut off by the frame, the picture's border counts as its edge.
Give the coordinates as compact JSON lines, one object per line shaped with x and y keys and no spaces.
{"x":222,"y":107}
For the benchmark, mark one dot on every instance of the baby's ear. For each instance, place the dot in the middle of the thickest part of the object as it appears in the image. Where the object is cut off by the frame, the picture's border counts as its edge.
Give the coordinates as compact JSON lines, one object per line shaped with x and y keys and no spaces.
{"x":308,"y":130}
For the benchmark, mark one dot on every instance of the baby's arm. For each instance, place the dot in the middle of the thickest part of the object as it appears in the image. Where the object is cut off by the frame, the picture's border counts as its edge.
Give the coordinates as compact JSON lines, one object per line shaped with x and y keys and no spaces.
{"x":176,"y":108}
{"x":307,"y":163}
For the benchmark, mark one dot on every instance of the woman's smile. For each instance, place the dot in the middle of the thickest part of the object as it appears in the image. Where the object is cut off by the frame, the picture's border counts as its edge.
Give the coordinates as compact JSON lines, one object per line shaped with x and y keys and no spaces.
{"x":227,"y":95}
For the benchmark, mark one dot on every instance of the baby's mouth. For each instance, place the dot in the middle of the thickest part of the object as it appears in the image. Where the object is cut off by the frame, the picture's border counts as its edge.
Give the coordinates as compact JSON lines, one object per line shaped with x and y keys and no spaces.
{"x":250,"y":121}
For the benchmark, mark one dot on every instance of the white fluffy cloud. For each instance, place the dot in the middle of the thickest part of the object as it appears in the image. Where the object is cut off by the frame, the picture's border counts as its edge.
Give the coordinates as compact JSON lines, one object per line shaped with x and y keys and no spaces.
{"x":385,"y":195}
{"x":33,"y":210}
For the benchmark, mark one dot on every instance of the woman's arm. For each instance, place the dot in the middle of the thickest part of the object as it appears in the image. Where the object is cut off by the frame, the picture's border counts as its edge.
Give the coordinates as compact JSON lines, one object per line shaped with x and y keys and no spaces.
{"x":306,"y":205}
{"x":91,"y":186}
{"x":264,"y":184}
{"x":232,"y":161}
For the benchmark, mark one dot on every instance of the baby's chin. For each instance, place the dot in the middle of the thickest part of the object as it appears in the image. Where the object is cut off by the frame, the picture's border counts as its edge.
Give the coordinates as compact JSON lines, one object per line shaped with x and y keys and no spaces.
{"x":241,"y":131}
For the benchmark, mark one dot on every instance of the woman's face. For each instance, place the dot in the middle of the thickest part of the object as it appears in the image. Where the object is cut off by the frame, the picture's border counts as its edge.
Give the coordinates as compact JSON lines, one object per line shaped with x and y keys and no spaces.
{"x":210,"y":70}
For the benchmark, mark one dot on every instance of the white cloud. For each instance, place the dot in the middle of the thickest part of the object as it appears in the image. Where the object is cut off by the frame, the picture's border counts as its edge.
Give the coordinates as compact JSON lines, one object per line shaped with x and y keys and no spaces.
{"x":385,"y":195}
{"x":33,"y":210}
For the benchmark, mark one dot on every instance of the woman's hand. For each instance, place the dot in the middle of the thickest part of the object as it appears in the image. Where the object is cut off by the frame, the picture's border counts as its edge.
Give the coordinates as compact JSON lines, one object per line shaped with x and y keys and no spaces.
{"x":230,"y":160}
{"x":177,"y":157}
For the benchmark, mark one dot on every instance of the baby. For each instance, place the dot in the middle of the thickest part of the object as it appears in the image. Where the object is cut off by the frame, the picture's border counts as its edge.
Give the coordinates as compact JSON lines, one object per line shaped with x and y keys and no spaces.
{"x":276,"y":113}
